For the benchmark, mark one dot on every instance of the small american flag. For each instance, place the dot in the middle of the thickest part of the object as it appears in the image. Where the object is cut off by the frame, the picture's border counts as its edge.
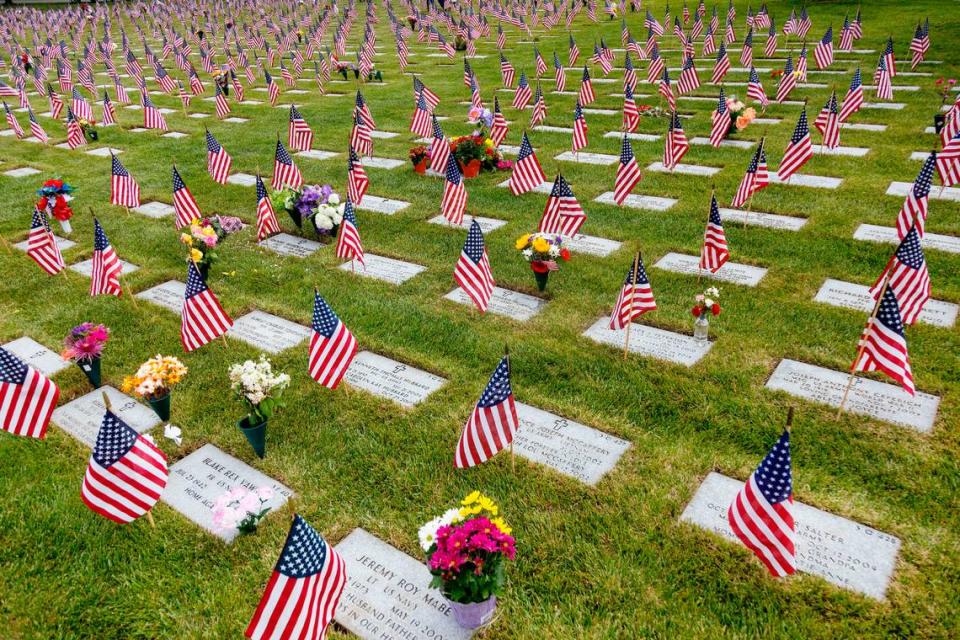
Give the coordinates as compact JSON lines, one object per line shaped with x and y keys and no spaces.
{"x":585,"y":95}
{"x":908,"y":277}
{"x":629,"y":73}
{"x":675,"y":144}
{"x":499,"y":128}
{"x":854,"y":98}
{"x":721,"y":121}
{"x":770,"y":49}
{"x":527,"y":173}
{"x":124,"y":190}
{"x":348,"y":240}
{"x":823,"y":52}
{"x":802,"y":64}
{"x":948,"y":162}
{"x":267,"y":224}
{"x":220,"y":101}
{"x":105,"y":275}
{"x":656,"y":67}
{"x":273,"y":89}
{"x":75,"y":137}
{"x":361,"y":137}
{"x":184,"y":204}
{"x":430,"y":97}
{"x":454,"y":201}
{"x":755,"y":89}
{"x":56,"y":104}
{"x":80,"y":106}
{"x":579,"y":128}
{"x":12,"y":121}
{"x":539,"y":108}
{"x":562,"y":214}
{"x":27,"y":398}
{"x":332,"y":346}
{"x":689,"y":81}
{"x":914,"y":209}
{"x":628,"y":172}
{"x":218,"y":160}
{"x":559,"y":77}
{"x":574,"y":52}
{"x":523,"y":93}
{"x":357,"y":180}
{"x":42,"y":245}
{"x":846,"y":35}
{"x":761,"y":514}
{"x":420,"y":121}
{"x":506,"y":71}
{"x":152,"y":118}
{"x":755,"y":179}
{"x":364,"y":108}
{"x":636,"y":296}
{"x":888,"y":58}
{"x":883,"y":346}
{"x":299,"y":134}
{"x":541,"y":65}
{"x":493,"y":422}
{"x":439,"y":147}
{"x":304,"y":590}
{"x":631,"y":114}
{"x":799,"y":150}
{"x":126,"y":474}
{"x":285,"y":172}
{"x":35,"y":127}
{"x":787,"y":81}
{"x":202,"y":319}
{"x":828,"y":122}
{"x":746,"y":54}
{"x":472,"y":271}
{"x":721,"y":66}
{"x":109,"y":114}
{"x":714,"y":252}
{"x":882,"y":80}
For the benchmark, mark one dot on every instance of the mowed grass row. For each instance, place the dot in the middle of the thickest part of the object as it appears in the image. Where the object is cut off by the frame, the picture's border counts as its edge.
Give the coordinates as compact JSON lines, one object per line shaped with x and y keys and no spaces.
{"x":609,"y":561}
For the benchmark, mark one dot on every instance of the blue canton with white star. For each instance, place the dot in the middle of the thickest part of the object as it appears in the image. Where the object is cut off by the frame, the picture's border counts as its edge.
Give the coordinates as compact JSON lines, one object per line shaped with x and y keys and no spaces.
{"x":773,"y":476}
{"x":12,"y":369}
{"x":473,"y":246}
{"x":889,"y":313}
{"x":100,"y":242}
{"x":910,"y":252}
{"x":325,"y":321}
{"x":498,"y":389}
{"x":304,"y":553}
{"x":113,"y":441}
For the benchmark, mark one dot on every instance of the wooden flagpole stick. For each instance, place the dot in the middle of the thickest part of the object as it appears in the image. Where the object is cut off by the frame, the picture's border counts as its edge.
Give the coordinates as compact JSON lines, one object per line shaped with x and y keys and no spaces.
{"x":789,"y":422}
{"x":713,"y":194}
{"x":513,"y":460}
{"x":862,"y":346}
{"x":633,"y":295}
{"x":746,"y":214}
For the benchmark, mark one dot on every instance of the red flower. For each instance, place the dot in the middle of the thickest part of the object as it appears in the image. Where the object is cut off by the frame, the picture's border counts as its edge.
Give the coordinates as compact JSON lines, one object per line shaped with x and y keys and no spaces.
{"x":696,"y":311}
{"x":42,"y":205}
{"x":489,"y":151}
{"x":539,"y":267}
{"x":565,"y":254}
{"x":715,"y":309}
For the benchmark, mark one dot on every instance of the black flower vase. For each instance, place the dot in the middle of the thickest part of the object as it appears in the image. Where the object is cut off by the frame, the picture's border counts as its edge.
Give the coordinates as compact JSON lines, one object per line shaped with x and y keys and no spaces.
{"x":939,"y":121}
{"x":204,"y":269}
{"x":295,"y":216}
{"x":91,"y":369}
{"x":161,"y":406}
{"x":541,"y":279}
{"x":94,"y":135}
{"x":256,"y":435}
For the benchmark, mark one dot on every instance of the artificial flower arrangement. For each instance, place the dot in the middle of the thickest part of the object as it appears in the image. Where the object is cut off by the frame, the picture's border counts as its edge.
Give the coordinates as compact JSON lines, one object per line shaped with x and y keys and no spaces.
{"x":944,"y":90}
{"x":89,"y":128}
{"x":259,"y":388}
{"x":541,"y":250}
{"x":740,"y":115}
{"x":319,"y":204}
{"x":154,"y":380}
{"x":467,"y":549}
{"x":241,"y":509}
{"x":83,"y":346}
{"x":53,"y":201}
{"x":419,"y":156}
{"x":476,"y":152}
{"x":705,"y":305}
{"x":203,"y":238}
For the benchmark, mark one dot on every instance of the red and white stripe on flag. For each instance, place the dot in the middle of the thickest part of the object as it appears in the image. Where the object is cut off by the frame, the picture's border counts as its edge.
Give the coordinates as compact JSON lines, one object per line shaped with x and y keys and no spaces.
{"x":493,"y":422}
{"x":27,"y":397}
{"x":332,"y":345}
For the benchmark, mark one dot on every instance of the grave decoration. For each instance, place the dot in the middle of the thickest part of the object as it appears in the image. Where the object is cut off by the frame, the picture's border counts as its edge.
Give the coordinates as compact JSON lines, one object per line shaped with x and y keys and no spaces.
{"x":419,"y":156}
{"x":83,"y":346}
{"x":706,"y":305}
{"x":477,"y":152}
{"x":205,"y":236}
{"x":541,"y":250}
{"x":467,"y":549}
{"x":154,"y":380}
{"x":944,"y":90}
{"x":241,"y":509}
{"x":259,"y":388}
{"x":740,"y":115}
{"x":319,"y":204}
{"x":88,"y":126}
{"x":54,"y":203}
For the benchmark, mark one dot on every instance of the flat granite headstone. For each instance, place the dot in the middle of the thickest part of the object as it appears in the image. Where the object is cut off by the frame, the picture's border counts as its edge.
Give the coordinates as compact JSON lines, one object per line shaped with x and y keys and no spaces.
{"x":199,"y":116}
{"x":176,"y":135}
{"x":760,"y":219}
{"x":801,"y":180}
{"x":896,"y":106}
{"x":736,"y":144}
{"x":742,"y":274}
{"x":62,"y":243}
{"x":81,"y":418}
{"x":641,"y":137}
{"x":268,"y":332}
{"x":591,"y":245}
{"x":860,"y":126}
{"x":856,"y":296}
{"x":388,"y":595}
{"x":852,"y":152}
{"x":386,"y":269}
{"x":504,"y":302}
{"x":584,"y":157}
{"x":385,"y":206}
{"x":36,"y":355}
{"x":383,"y":135}
{"x":104,"y":152}
{"x":235,"y":120}
{"x":86,"y":267}
{"x":288,"y":245}
{"x":651,"y":341}
{"x":154,"y":209}
{"x":544,"y":187}
{"x":636,"y":201}
{"x":886,"y":402}
{"x":22,"y":172}
{"x":600,"y":112}
{"x":168,"y":295}
{"x":571,"y":448}
{"x":936,"y":193}
{"x":383,"y":163}
{"x":486,"y":224}
{"x":317,"y":154}
{"x":381,"y":376}
{"x":197,"y":480}
{"x":244,"y":180}
{"x":848,"y":554}
{"x":937,"y":241}
{"x":551,"y":129}
{"x":688,"y":169}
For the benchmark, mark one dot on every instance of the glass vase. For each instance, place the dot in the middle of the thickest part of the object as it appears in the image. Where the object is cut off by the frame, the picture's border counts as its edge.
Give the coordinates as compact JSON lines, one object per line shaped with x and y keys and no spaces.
{"x":701,"y":327}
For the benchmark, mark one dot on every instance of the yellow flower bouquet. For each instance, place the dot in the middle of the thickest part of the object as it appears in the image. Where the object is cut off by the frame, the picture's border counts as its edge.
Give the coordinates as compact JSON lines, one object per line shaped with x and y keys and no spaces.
{"x":541,"y":250}
{"x":153,"y":380}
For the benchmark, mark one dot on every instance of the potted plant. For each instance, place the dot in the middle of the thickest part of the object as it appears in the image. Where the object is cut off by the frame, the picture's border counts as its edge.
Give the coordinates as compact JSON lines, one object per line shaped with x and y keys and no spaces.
{"x":89,"y":129}
{"x":241,"y":509}
{"x":203,"y":238}
{"x":53,"y":201}
{"x":83,"y":346}
{"x":419,"y":158}
{"x":740,"y":115}
{"x":153,"y":381}
{"x":467,"y":550}
{"x":541,"y":250}
{"x":705,"y":305}
{"x":319,"y":204}
{"x":944,"y":89}
{"x":259,"y":388}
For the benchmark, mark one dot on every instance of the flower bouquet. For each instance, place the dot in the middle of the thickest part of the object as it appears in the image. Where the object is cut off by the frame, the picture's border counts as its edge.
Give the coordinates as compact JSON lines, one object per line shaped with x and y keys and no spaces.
{"x":419,"y":157}
{"x":651,"y":111}
{"x":259,"y":388}
{"x":241,"y":509}
{"x":740,"y":115}
{"x":705,"y":305}
{"x":83,"y":346}
{"x":54,"y":203}
{"x":153,"y":380}
{"x":541,"y":250}
{"x":89,"y":129}
{"x":319,"y":204}
{"x":205,"y":236}
{"x":467,"y":549}
{"x":944,"y":89}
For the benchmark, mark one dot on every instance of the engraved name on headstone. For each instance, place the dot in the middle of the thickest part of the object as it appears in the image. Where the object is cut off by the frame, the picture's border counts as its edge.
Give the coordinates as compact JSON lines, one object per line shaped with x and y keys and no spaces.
{"x":168,"y":294}
{"x":383,"y":268}
{"x":743,"y":274}
{"x":268,"y":332}
{"x":81,"y":418}
{"x":936,"y":241}
{"x":36,"y":355}
{"x":381,"y":376}
{"x":855,"y":296}
{"x":504,"y":302}
{"x":385,"y":206}
{"x":154,"y":209}
{"x":636,"y":201}
{"x":486,"y":224}
{"x":86,"y":267}
{"x":651,"y":341}
{"x":288,"y":245}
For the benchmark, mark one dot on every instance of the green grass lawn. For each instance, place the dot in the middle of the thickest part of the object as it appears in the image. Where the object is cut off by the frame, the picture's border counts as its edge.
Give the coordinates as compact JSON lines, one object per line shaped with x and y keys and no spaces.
{"x":608,"y":561}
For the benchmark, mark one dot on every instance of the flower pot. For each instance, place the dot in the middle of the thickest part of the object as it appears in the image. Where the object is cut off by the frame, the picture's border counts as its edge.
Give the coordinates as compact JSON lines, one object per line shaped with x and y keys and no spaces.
{"x":939,"y":121}
{"x":541,"y":279}
{"x":701,"y":327}
{"x":732,"y":129}
{"x":295,"y":216}
{"x":91,"y":369}
{"x":66,"y":226}
{"x":471,"y":169}
{"x":421,"y":167}
{"x":161,"y":406}
{"x":471,"y":615}
{"x":256,"y":435}
{"x":204,"y":269}
{"x":94,"y":136}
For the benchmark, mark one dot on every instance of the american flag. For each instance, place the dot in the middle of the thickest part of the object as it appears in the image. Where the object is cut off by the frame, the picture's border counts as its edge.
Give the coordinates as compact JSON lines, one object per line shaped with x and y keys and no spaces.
{"x":846,"y":35}
{"x":152,"y":118}
{"x":755,"y":89}
{"x":650,"y":23}
{"x":196,"y":86}
{"x":828,"y":123}
{"x":285,"y":172}
{"x":430,"y":97}
{"x":908,"y":277}
{"x":714,"y":252}
{"x":440,"y":148}
{"x":857,"y":26}
{"x":579,"y":128}
{"x":755,"y":179}
{"x":523,"y":94}
{"x":42,"y":246}
{"x":357,"y":181}
{"x":332,"y":345}
{"x":220,"y":102}
{"x":541,"y":65}
{"x":539,"y":108}
{"x":273,"y":89}
{"x":105,"y":275}
{"x":562,"y":215}
{"x":799,"y":150}
{"x":914,"y":209}
{"x":56,"y":104}
{"x":721,"y":66}
{"x":302,"y":595}
{"x":75,"y":137}
{"x":299,"y":134}
{"x":124,"y":190}
{"x":506,"y":71}
{"x":688,"y":77}
{"x":697,"y":30}
{"x":787,"y":81}
{"x":823,"y":52}
{"x":499,"y":129}
{"x":709,"y":43}
{"x":109,"y":114}
{"x":237,"y":87}
{"x":631,"y":114}
{"x":184,"y":205}
{"x":883,"y":346}
{"x":888,"y":58}
{"x":81,"y":108}
{"x":636,"y":296}
{"x":559,"y":77}
{"x":361,"y":137}
{"x":675,"y":144}
{"x":802,"y":64}
{"x":218,"y":160}
{"x":770,"y":49}
{"x":454,"y":201}
{"x":35,"y":127}
{"x":730,"y":36}
{"x":202,"y":319}
{"x":761,"y":514}
{"x":746,"y":54}
{"x":919,"y":45}
{"x":629,"y":73}
{"x":948,"y":162}
{"x":12,"y":121}
{"x":574,"y":52}
{"x":656,"y":67}
{"x":527,"y":173}
{"x":854,"y":98}
{"x":721,"y":120}
{"x":472,"y":271}
{"x":585,"y":96}
{"x":267,"y":224}
{"x":628,"y":172}
{"x":803,"y":24}
{"x":126,"y":474}
{"x":27,"y":398}
{"x":420,"y":122}
{"x":882,"y":80}
{"x":493,"y":422}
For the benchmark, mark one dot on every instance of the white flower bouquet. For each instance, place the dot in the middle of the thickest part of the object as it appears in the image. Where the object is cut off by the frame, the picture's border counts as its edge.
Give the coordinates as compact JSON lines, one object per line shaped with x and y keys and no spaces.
{"x":258,"y":387}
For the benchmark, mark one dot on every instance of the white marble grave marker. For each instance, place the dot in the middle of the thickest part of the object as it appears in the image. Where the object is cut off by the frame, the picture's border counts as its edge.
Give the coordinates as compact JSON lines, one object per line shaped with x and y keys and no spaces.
{"x":687,"y":169}
{"x":169,"y":295}
{"x":937,"y":241}
{"x":36,"y":355}
{"x":245,"y":180}
{"x":154,"y":209}
{"x":386,"y":269}
{"x":62,"y":243}
{"x":637,"y":201}
{"x":268,"y":332}
{"x":381,"y":376}
{"x":288,"y":245}
{"x":385,"y":206}
{"x":86,"y":267}
{"x":82,"y":417}
{"x":742,"y":274}
{"x":651,"y":342}
{"x":855,"y":296}
{"x":760,"y":219}
{"x":22,"y":172}
{"x":317,"y":154}
{"x":486,"y":224}
{"x":504,"y":302}
{"x":801,"y":180}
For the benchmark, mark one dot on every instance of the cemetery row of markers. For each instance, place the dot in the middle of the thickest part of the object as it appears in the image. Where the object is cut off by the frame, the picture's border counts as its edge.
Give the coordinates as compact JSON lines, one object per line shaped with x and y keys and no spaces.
{"x":127,"y":473}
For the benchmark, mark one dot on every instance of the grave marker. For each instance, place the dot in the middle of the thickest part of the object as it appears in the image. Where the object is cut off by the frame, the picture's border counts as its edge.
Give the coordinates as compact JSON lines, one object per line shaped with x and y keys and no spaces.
{"x":742,"y":274}
{"x":383,"y":268}
{"x":288,"y":245}
{"x":381,"y":376}
{"x":504,"y":302}
{"x":81,"y":418}
{"x":169,"y":295}
{"x":651,"y":342}
{"x":268,"y":332}
{"x":47,"y":362}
